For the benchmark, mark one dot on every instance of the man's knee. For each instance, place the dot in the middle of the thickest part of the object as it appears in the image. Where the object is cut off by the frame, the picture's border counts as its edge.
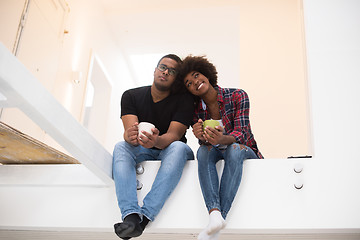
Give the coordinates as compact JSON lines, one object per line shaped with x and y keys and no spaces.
{"x":124,"y":152}
{"x":178,"y":151}
{"x":180,"y":148}
{"x":178,"y":145}
{"x":120,"y":145}
{"x":118,"y":148}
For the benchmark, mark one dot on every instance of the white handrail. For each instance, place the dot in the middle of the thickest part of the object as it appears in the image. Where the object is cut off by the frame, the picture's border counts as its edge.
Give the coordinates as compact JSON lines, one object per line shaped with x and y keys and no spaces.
{"x":22,"y":90}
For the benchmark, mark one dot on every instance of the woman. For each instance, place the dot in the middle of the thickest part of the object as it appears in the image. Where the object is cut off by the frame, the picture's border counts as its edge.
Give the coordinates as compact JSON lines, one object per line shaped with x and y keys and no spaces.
{"x":232,"y":141}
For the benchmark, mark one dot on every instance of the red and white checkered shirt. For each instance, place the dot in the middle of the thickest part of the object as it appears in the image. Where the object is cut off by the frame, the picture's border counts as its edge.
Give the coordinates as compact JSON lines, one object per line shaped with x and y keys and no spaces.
{"x":234,"y":108}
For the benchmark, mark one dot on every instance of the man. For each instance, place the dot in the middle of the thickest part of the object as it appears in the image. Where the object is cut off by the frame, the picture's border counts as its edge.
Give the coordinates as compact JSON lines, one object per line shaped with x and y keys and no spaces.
{"x":171,"y":113}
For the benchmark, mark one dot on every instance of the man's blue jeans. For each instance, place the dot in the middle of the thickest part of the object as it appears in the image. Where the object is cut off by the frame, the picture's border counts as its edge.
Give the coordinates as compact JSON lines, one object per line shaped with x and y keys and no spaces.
{"x":125,"y":158}
{"x":215,"y":195}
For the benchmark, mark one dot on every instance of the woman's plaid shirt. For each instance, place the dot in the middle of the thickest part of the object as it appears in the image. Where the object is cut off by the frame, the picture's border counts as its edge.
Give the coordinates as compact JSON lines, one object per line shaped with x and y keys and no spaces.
{"x":234,"y":108}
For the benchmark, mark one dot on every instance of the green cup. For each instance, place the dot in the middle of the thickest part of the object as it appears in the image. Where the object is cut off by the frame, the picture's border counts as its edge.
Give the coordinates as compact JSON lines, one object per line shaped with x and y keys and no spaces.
{"x":210,"y":123}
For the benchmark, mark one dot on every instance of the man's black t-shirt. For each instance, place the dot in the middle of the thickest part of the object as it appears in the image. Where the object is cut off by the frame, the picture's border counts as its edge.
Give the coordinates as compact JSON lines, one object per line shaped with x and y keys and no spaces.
{"x":177,"y":107}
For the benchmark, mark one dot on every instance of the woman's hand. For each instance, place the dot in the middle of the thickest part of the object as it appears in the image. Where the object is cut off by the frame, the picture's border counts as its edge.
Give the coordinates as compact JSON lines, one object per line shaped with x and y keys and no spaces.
{"x":213,"y":135}
{"x":198,"y":130}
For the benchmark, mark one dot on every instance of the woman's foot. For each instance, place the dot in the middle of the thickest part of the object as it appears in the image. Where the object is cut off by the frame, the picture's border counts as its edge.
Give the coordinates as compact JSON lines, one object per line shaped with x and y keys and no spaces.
{"x":212,"y":231}
{"x":216,"y":223}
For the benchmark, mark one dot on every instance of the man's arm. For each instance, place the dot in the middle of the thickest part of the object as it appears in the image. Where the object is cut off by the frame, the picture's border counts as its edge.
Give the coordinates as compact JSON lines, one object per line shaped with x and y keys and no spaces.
{"x":175,"y":131}
{"x":130,"y":123}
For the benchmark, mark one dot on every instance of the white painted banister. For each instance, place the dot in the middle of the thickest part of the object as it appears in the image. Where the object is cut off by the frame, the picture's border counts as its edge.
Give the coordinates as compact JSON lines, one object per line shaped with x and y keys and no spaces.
{"x":20,"y":89}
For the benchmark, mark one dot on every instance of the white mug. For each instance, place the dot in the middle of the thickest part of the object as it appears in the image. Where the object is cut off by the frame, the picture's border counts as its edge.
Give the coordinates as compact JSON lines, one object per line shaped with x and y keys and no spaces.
{"x":145,"y":126}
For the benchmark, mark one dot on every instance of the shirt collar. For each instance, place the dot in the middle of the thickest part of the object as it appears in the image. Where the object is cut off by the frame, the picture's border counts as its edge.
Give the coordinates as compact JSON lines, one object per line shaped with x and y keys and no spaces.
{"x":220,"y":98}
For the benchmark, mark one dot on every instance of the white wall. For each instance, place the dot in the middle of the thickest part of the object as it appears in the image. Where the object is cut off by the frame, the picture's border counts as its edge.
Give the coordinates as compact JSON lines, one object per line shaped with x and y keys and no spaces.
{"x":87,"y":34}
{"x":90,"y":35}
{"x":255,"y":45}
{"x":333,"y":53}
{"x":332,"y":30}
{"x":9,"y":21}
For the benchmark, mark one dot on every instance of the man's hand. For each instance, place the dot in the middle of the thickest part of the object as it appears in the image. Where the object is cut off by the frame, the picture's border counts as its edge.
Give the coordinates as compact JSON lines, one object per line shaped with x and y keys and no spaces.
{"x":148,"y":140}
{"x":131,"y":134}
{"x":198,"y":130}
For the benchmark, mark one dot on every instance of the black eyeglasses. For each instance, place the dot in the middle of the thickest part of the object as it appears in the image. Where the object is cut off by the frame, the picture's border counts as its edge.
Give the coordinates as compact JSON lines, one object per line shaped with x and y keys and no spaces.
{"x":163,"y":68}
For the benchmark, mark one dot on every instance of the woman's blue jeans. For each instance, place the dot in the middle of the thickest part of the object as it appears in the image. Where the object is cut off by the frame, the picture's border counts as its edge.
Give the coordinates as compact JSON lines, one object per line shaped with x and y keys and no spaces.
{"x":125,"y":158}
{"x":221,"y":196}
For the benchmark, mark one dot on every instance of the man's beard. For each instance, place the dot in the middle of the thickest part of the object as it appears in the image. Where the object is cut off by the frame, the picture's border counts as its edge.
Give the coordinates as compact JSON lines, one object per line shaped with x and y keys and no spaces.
{"x":161,"y":87}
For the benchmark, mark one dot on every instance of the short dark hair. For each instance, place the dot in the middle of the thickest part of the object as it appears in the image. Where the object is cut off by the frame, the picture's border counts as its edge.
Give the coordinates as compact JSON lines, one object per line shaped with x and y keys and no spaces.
{"x":171,"y":56}
{"x":199,"y":64}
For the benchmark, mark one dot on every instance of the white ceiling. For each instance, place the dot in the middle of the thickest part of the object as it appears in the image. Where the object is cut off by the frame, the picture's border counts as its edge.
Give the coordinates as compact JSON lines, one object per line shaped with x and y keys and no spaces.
{"x":175,"y":25}
{"x":115,"y":7}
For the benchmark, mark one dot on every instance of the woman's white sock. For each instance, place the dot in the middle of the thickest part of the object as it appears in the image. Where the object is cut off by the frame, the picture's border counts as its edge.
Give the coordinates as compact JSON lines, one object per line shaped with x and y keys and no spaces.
{"x":204,"y":236}
{"x":215,"y":236}
{"x":216,"y":223}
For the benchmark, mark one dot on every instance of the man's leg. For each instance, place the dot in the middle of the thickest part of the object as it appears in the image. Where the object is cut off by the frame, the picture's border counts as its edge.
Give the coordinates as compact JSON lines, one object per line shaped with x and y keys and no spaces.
{"x":125,"y":158}
{"x":173,"y":159}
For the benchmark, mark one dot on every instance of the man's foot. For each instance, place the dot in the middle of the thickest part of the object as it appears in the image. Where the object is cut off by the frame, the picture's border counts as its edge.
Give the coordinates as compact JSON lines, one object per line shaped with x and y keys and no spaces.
{"x":123,"y":230}
{"x":144,"y":222}
{"x":131,"y":227}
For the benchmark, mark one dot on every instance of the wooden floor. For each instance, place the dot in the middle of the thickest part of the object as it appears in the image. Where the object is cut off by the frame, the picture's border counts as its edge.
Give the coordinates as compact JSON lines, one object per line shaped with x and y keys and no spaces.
{"x":19,"y":148}
{"x":82,"y":235}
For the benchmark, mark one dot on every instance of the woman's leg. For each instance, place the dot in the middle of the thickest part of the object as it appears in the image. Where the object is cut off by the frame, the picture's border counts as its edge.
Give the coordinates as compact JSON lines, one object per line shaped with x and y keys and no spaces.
{"x":207,"y":157}
{"x":234,"y":157}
